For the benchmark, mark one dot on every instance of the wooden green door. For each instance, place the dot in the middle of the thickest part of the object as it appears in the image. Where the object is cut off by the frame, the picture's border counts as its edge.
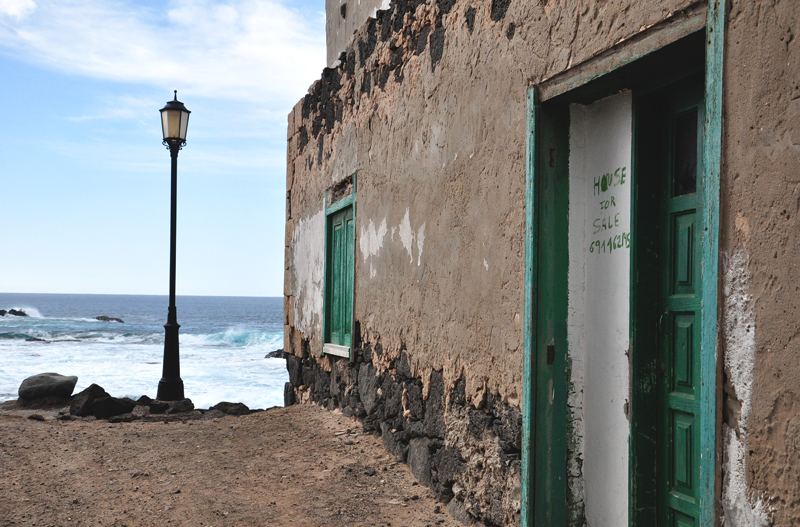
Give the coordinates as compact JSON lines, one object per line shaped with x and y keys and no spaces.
{"x":339,"y":282}
{"x":679,"y":308}
{"x":551,"y":507}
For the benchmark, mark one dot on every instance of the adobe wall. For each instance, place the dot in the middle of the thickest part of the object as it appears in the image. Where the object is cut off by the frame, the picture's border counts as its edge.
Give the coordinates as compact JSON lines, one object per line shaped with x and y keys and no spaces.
{"x":760,"y":273}
{"x":427,"y":107}
{"x":343,"y":18}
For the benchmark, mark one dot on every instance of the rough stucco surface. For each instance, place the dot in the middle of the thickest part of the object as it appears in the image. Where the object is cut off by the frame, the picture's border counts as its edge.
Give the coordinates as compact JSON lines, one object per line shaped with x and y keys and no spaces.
{"x":443,"y":170}
{"x":343,"y":18}
{"x":760,"y":213}
{"x":428,"y":109}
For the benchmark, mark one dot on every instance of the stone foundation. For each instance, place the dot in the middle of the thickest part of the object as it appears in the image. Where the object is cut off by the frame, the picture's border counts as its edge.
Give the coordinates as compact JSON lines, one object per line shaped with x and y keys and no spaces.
{"x":469,"y":457}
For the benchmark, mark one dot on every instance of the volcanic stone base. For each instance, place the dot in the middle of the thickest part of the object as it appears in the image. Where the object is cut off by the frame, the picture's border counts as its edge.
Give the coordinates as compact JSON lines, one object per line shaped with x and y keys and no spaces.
{"x":469,"y":457}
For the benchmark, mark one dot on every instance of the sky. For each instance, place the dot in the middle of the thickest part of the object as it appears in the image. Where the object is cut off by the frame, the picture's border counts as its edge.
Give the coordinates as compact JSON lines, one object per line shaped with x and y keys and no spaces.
{"x":84,"y":178}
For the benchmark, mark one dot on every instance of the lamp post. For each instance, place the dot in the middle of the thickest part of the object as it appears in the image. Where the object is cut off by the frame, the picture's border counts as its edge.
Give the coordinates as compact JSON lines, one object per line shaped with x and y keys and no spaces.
{"x":174,"y":120}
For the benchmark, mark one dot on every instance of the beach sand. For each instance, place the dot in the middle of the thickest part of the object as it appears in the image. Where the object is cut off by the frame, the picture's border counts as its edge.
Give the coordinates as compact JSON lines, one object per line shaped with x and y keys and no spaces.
{"x":298,"y":466}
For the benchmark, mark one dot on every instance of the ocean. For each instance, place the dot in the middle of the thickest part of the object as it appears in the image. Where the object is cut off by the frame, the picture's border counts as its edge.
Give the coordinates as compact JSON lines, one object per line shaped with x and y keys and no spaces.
{"x":223,"y":343}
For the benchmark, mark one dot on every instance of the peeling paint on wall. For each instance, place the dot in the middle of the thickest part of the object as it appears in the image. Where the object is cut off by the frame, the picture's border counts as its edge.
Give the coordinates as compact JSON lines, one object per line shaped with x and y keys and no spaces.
{"x":308,"y":241}
{"x":406,"y":235}
{"x":420,"y":243}
{"x":408,"y":238}
{"x":370,"y":242}
{"x":740,"y":508}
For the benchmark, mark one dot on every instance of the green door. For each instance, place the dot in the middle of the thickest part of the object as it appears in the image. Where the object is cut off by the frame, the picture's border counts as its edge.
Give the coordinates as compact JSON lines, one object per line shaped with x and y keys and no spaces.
{"x":551,"y":507}
{"x":679,"y":308}
{"x":339,"y":280}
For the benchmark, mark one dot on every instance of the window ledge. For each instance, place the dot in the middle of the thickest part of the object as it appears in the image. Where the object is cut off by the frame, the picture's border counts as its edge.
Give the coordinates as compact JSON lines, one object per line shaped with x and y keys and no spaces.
{"x":335,"y":349}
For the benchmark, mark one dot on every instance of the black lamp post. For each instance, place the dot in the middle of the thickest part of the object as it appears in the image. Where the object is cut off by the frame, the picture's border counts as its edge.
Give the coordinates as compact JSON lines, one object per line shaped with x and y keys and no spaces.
{"x":174,"y":120}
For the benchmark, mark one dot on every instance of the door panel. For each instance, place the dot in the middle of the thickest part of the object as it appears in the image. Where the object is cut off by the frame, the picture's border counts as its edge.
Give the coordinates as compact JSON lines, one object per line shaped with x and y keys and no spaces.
{"x":679,"y":303}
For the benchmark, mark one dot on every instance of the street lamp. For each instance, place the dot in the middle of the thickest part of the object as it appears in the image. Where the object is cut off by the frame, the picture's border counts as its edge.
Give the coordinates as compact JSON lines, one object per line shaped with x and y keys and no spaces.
{"x":174,"y":120}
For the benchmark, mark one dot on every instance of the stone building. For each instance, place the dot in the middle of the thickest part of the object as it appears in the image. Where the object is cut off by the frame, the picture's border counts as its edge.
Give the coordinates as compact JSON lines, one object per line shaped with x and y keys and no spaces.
{"x":547,"y":251}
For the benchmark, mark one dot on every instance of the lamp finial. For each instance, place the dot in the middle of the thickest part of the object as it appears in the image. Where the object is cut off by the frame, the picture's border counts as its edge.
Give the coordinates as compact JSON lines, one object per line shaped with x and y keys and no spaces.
{"x":176,"y":95}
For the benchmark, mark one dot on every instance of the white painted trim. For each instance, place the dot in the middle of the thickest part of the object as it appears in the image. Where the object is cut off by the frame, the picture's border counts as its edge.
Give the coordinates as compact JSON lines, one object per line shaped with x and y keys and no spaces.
{"x":335,"y":349}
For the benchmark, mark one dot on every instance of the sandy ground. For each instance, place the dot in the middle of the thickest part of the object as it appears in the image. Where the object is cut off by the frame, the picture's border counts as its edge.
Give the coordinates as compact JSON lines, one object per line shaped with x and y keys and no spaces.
{"x":299,"y":466}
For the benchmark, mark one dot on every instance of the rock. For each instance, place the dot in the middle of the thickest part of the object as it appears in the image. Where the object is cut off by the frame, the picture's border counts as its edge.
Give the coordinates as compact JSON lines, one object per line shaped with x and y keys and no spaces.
{"x":144,"y":400}
{"x":231,"y":408}
{"x":83,"y":403}
{"x":459,"y":512}
{"x":140,"y":411}
{"x":158,"y":407}
{"x":277,"y":354}
{"x":34,"y":339}
{"x":17,"y":312}
{"x":419,"y":460}
{"x":47,"y":385}
{"x":368,"y":386}
{"x":294,"y":367}
{"x":122,"y":418}
{"x":103,"y":318}
{"x":105,"y":407}
{"x":289,"y":398}
{"x":179,"y":407}
{"x":3,"y":312}
{"x":36,"y":417}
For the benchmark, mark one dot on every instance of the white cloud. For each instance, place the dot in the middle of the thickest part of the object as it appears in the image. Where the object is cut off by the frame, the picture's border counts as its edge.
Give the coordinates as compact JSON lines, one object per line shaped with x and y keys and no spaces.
{"x":259,"y":51}
{"x":123,"y":107}
{"x":17,"y":8}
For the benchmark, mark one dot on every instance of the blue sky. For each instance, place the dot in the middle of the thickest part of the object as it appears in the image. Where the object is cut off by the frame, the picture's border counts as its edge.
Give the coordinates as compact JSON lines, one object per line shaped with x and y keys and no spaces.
{"x":84,"y":179}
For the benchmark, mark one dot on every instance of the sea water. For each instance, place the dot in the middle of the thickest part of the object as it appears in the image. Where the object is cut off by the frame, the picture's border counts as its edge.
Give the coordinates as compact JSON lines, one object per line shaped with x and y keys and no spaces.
{"x":223,"y":343}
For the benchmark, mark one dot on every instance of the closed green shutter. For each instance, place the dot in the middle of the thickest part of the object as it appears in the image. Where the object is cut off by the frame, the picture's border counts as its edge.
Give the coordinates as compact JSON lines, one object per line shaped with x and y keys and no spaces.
{"x":339,"y":279}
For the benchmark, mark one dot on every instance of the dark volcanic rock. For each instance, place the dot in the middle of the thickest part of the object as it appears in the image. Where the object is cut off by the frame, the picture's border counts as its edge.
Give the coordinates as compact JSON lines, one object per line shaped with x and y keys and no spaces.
{"x":368,"y":386}
{"x":105,"y":407}
{"x":277,"y":354}
{"x":122,"y":418}
{"x":419,"y":460}
{"x":288,"y":395}
{"x":295,"y":368}
{"x":17,"y":312}
{"x":103,"y":318}
{"x":158,"y":407}
{"x":231,"y":408}
{"x":47,"y":385}
{"x":179,"y":407}
{"x":83,"y":402}
{"x":3,"y":312}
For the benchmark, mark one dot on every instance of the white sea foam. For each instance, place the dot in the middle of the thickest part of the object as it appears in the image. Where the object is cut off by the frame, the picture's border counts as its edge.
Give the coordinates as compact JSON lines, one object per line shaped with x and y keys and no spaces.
{"x":223,"y":343}
{"x":28,"y":310}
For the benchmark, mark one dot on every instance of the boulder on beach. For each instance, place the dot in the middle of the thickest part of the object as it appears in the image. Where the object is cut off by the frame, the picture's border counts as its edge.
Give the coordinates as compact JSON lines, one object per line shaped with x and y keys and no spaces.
{"x":103,"y":318}
{"x":105,"y":407}
{"x":47,"y":385}
{"x":83,"y":402}
{"x":231,"y":408}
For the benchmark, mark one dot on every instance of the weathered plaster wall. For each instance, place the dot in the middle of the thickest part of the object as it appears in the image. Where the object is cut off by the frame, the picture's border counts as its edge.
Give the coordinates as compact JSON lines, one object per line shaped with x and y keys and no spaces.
{"x":760,"y":222}
{"x":598,"y":305}
{"x":343,"y":18}
{"x":443,"y":170}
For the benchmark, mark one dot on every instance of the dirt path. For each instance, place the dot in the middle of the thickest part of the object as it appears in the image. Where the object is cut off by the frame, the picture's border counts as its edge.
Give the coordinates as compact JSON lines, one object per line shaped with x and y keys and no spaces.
{"x":300,"y":466}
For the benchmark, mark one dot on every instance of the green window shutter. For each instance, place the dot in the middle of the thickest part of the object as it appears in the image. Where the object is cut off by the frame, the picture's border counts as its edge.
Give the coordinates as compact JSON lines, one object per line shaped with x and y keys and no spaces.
{"x":339,"y":277}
